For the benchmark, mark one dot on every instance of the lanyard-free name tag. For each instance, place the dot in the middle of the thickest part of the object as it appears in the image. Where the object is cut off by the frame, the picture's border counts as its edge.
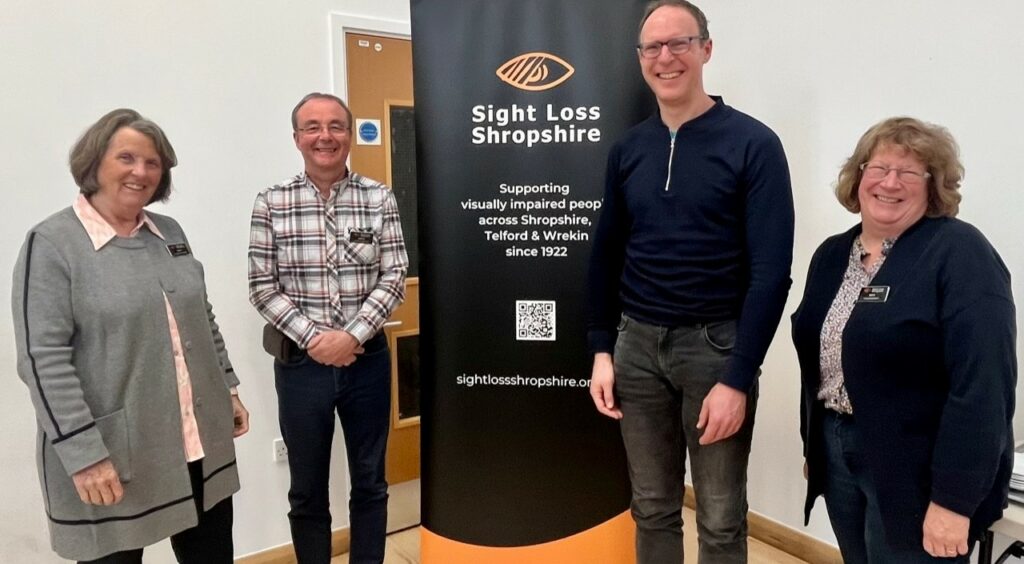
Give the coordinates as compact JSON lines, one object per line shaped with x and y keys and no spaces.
{"x":873,"y":295}
{"x":178,"y":250}
{"x":364,"y":236}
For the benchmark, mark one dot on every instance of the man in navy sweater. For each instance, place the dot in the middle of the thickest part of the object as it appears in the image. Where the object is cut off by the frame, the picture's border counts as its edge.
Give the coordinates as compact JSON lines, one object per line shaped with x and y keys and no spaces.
{"x":688,"y":279}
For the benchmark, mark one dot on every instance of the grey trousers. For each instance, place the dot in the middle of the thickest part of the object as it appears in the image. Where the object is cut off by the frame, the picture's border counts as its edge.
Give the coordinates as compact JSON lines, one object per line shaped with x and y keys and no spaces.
{"x":661,"y":378}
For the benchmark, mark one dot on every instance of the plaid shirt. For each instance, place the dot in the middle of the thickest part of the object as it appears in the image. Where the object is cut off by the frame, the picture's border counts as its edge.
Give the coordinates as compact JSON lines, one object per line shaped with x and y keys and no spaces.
{"x":318,"y":265}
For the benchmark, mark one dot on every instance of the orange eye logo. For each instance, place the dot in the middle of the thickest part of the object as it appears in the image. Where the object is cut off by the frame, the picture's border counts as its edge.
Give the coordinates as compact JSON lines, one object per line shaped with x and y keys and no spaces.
{"x":535,"y":71}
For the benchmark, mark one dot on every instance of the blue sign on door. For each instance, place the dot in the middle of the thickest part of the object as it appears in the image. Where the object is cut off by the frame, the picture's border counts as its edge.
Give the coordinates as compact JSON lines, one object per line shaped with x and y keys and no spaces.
{"x":368,"y":132}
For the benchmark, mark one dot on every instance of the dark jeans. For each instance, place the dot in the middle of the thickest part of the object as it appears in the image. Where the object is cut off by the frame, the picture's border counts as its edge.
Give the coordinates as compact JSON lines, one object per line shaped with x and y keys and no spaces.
{"x":209,"y":542}
{"x":661,"y":378}
{"x":308,"y":395}
{"x":852,"y":501}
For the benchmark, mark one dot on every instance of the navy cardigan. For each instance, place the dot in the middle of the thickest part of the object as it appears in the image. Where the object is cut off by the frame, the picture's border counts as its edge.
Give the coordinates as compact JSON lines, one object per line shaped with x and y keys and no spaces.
{"x":930,"y":372}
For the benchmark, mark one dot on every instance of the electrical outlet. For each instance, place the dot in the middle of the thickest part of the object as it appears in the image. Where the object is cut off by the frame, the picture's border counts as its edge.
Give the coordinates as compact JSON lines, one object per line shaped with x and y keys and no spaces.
{"x":280,"y":451}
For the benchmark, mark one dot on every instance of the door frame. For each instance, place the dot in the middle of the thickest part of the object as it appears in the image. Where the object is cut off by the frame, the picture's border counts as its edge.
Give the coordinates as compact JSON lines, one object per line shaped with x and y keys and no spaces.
{"x":341,"y":23}
{"x":393,"y":336}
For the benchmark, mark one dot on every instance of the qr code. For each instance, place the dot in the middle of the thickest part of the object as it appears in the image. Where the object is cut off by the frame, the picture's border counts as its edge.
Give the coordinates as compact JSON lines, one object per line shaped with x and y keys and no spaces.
{"x":535,"y":320}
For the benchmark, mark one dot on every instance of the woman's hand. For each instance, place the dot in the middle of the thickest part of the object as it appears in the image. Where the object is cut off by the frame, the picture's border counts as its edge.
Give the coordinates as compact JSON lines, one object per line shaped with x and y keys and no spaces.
{"x":241,"y":417}
{"x":98,"y":484}
{"x":945,"y":532}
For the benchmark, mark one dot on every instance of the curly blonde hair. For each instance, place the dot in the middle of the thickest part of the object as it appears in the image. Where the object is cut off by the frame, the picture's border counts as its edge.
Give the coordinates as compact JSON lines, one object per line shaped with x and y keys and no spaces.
{"x":930,"y":143}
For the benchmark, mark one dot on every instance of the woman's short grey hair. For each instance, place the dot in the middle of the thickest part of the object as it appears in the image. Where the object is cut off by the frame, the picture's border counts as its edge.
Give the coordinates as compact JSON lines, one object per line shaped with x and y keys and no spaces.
{"x":88,"y":152}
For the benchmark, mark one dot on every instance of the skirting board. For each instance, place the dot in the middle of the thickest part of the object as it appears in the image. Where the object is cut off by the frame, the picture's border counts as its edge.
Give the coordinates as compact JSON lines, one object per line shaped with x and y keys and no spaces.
{"x":341,"y":542}
{"x":786,"y":539}
{"x":768,"y":531}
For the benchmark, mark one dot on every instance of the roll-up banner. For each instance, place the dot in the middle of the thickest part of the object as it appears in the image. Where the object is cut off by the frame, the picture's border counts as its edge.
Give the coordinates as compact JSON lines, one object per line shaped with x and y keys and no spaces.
{"x":517,"y":105}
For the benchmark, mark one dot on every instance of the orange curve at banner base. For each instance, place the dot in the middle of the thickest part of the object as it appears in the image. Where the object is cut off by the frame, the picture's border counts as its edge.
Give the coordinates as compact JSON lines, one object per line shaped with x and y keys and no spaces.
{"x":610,"y":542}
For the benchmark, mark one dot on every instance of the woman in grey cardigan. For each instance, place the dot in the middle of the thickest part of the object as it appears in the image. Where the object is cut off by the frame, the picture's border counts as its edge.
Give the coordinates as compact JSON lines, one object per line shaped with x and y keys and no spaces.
{"x":133,"y":392}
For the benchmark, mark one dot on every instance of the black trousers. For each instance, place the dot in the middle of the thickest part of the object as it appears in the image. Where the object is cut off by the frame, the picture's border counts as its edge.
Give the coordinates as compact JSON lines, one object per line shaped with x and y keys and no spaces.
{"x":209,"y":542}
{"x":310,"y":396}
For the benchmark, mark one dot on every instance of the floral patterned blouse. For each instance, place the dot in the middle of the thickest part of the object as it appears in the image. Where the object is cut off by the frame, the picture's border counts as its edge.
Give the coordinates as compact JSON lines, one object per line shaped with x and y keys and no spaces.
{"x":857,"y":276}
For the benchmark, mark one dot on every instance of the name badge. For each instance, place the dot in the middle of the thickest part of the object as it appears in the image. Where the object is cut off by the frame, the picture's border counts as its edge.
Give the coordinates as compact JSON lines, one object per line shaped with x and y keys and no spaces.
{"x":178,"y":250}
{"x":364,"y":236}
{"x":873,"y":295}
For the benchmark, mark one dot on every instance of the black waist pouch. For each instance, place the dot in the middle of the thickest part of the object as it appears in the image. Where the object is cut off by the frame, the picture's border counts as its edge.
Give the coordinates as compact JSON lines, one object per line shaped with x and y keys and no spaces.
{"x":277,"y":344}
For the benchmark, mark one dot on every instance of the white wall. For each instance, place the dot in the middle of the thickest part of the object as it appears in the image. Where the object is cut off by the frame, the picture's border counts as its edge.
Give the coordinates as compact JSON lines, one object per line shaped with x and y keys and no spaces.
{"x":221,"y":77}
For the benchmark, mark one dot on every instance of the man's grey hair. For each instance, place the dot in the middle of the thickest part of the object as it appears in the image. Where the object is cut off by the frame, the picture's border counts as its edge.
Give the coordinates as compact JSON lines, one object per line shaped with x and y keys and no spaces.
{"x":318,"y":96}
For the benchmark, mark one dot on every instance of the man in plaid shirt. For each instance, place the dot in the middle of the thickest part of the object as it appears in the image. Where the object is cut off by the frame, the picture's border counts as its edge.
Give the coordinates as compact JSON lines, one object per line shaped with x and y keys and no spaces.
{"x":327,"y":267}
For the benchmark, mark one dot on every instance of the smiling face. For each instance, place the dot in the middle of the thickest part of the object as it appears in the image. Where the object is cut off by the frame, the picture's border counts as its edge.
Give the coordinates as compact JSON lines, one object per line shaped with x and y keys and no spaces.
{"x":130,"y":171}
{"x":324,"y":151}
{"x":888,"y":206}
{"x":674,"y":79}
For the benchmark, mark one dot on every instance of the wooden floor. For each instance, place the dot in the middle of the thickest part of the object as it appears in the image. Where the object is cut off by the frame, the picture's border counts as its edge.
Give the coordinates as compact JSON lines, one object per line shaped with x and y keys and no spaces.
{"x":404,"y":547}
{"x":401,"y":548}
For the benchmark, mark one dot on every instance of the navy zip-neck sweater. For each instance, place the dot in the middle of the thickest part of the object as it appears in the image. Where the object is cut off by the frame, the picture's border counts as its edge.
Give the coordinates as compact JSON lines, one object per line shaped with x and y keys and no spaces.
{"x":695,"y":229}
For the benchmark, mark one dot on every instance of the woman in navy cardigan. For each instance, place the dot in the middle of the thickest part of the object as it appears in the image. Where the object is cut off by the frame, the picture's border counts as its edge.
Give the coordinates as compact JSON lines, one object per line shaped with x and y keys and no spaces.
{"x":906,"y":339}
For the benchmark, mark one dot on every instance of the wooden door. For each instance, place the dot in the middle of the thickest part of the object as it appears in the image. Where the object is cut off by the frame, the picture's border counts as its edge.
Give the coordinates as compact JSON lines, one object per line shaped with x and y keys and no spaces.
{"x":381,"y":99}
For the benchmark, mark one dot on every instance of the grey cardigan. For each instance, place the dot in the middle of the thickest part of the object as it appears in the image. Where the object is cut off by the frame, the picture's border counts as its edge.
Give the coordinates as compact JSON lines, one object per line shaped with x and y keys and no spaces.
{"x":94,"y":350}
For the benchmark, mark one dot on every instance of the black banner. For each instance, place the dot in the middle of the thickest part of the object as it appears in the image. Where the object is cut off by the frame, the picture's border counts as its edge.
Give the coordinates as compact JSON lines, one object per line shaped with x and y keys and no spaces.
{"x":517,"y":105}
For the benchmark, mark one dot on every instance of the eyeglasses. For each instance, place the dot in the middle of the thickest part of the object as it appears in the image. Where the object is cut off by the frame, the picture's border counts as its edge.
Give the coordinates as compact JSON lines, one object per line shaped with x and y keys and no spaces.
{"x":335,"y":129}
{"x":676,"y":46}
{"x":878,"y":172}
